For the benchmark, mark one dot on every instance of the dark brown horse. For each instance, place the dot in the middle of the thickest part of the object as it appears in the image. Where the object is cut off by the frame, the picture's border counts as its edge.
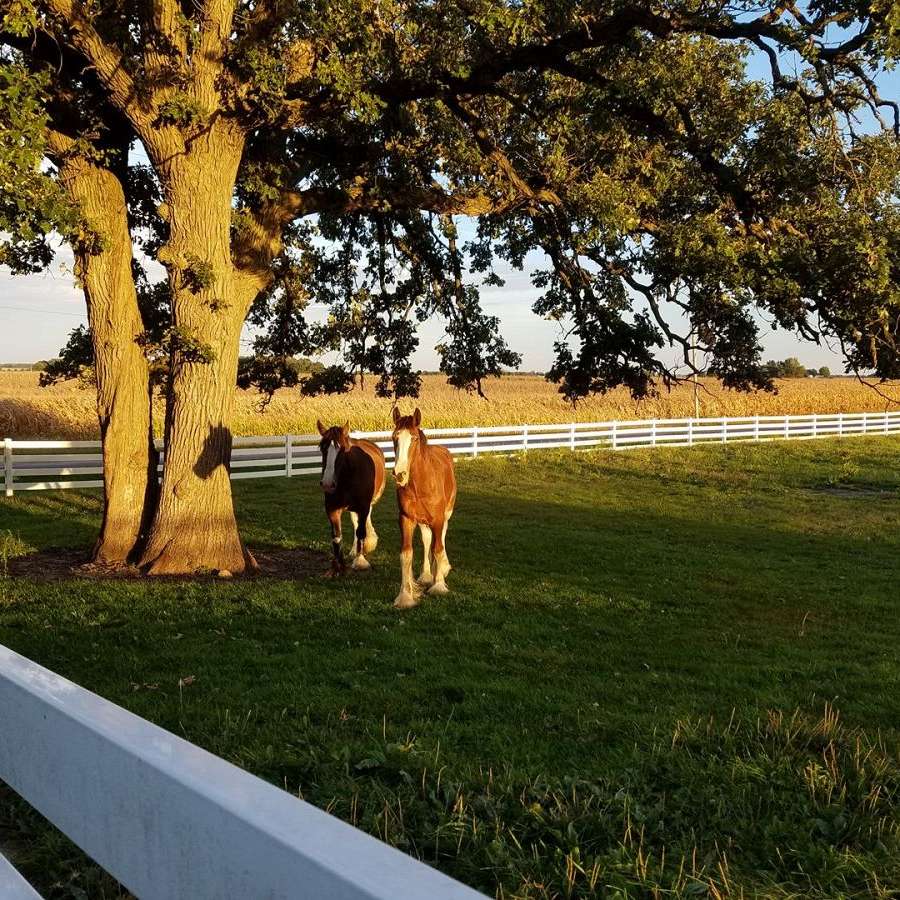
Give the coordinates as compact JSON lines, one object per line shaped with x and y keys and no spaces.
{"x":352,"y":478}
{"x":426,"y":494}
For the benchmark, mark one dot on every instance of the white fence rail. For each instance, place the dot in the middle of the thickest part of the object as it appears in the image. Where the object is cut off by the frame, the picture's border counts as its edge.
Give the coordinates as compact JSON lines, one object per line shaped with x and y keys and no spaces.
{"x":49,"y":465}
{"x":171,"y":821}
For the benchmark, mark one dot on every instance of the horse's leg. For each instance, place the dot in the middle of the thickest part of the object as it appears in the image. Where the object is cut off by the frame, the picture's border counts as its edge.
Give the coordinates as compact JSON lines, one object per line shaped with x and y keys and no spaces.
{"x":441,"y":563}
{"x":426,"y":578}
{"x":371,"y":541}
{"x":337,"y":562}
{"x":409,"y":590}
{"x":359,"y":539}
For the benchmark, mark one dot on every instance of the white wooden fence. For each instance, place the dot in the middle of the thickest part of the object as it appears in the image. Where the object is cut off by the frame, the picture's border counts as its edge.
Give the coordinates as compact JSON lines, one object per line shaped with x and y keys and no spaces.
{"x":50,"y":465}
{"x":173,"y":822}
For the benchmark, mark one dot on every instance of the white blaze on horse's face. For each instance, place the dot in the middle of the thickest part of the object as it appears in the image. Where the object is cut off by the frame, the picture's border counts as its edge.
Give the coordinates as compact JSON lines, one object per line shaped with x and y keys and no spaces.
{"x":402,"y":443}
{"x":331,"y":455}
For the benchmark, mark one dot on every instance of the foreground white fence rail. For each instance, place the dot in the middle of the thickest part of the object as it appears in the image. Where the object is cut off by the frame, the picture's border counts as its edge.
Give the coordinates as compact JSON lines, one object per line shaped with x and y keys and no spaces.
{"x":48,"y":465}
{"x":171,"y":821}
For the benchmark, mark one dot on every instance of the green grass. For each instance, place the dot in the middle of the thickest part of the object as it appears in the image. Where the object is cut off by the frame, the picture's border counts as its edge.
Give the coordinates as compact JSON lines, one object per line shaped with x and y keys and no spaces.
{"x":669,"y":673}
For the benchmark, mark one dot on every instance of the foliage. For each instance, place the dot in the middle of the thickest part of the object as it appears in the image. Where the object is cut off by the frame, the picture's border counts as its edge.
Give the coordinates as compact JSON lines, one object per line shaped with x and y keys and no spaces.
{"x":31,"y":204}
{"x":396,"y":156}
{"x":74,"y":360}
{"x":787,"y":368}
{"x":553,"y":726}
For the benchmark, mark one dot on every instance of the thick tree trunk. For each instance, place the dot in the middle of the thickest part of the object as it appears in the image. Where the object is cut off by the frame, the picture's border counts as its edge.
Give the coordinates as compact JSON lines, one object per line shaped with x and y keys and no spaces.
{"x":195,"y":527}
{"x":123,"y":392}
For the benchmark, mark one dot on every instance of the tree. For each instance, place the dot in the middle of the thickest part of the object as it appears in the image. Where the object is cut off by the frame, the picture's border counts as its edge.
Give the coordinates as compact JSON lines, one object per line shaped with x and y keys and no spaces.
{"x":303,"y":151}
{"x":793,"y":368}
{"x":824,"y":372}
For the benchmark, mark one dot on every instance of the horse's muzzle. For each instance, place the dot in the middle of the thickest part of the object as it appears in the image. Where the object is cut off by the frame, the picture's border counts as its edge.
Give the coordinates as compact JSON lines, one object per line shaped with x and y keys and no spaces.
{"x":328,"y":488}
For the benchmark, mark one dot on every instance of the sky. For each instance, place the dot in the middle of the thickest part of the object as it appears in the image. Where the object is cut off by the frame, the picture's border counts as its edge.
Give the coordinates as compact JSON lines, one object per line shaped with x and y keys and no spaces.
{"x":37,"y":312}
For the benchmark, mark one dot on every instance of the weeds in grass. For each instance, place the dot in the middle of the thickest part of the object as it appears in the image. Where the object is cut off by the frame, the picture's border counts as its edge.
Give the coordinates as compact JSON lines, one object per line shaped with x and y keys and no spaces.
{"x":782,"y":806}
{"x":11,"y":547}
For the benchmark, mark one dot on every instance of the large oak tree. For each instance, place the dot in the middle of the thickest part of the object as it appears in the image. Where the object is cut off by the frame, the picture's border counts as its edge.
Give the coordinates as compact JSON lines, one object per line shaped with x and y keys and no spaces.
{"x":325,"y":150}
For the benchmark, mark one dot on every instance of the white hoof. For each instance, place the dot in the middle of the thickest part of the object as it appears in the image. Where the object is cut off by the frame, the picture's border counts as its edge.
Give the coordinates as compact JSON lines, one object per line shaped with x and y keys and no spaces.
{"x":426,"y":580}
{"x":439,"y":587}
{"x":360,"y":564}
{"x":405,"y":600}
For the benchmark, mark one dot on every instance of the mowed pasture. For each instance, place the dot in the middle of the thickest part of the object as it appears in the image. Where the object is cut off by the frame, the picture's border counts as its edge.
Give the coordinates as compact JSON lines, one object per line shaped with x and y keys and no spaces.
{"x":67,"y":411}
{"x":659,"y":673}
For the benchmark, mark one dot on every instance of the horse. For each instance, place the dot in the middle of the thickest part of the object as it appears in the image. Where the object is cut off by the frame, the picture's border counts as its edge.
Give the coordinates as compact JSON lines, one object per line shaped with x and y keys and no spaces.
{"x":353,"y":477}
{"x":426,"y":494}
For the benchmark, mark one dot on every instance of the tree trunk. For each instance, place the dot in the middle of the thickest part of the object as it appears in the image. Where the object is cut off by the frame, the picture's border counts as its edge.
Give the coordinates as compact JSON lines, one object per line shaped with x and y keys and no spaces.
{"x":195,"y":527}
{"x":123,"y":390}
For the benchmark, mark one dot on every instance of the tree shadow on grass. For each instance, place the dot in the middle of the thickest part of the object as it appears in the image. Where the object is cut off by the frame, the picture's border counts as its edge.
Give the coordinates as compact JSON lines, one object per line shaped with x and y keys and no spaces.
{"x":648,"y":592}
{"x":45,"y":519}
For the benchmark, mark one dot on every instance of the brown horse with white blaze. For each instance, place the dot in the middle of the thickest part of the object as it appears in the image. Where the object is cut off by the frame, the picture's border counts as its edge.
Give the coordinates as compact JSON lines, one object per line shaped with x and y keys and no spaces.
{"x":426,"y":494}
{"x":353,"y":477}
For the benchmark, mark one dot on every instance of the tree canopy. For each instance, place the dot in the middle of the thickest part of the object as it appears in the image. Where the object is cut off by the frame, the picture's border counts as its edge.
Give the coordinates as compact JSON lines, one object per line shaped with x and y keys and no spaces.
{"x":666,"y":193}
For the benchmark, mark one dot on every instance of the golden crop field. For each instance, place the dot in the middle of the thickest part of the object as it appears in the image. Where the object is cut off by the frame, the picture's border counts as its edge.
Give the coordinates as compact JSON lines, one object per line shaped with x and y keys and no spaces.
{"x":67,"y":411}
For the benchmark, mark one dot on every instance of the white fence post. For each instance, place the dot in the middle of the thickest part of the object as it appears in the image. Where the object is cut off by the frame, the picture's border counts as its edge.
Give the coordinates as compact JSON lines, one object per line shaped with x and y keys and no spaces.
{"x":524,"y":438}
{"x":756,"y":427}
{"x":474,"y":442}
{"x":572,"y":436}
{"x":865,"y":428}
{"x":690,"y":431}
{"x":288,"y":455}
{"x":724,"y":430}
{"x":8,"y":466}
{"x":840,"y":424}
{"x":886,"y":422}
{"x":615,"y":435}
{"x":815,"y":425}
{"x":787,"y":427}
{"x":653,"y":433}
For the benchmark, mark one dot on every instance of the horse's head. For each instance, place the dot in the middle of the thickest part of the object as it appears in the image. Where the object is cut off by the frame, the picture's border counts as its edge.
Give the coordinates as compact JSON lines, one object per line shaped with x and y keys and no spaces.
{"x":335,"y":442}
{"x":407,"y":437}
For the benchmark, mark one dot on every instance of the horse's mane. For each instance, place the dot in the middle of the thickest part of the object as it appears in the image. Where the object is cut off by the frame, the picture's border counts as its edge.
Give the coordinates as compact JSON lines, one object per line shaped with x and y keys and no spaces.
{"x":407,"y":422}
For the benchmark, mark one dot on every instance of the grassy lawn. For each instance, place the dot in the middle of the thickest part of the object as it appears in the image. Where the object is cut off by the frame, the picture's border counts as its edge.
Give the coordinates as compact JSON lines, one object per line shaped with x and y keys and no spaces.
{"x":658,"y":673}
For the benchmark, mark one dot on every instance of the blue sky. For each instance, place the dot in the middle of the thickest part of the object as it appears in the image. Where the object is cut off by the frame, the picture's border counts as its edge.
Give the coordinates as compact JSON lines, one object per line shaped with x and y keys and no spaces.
{"x":37,"y":312}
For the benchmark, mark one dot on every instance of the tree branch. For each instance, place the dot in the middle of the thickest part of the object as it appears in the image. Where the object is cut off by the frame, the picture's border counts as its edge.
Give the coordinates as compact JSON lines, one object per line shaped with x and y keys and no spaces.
{"x":106,"y":59}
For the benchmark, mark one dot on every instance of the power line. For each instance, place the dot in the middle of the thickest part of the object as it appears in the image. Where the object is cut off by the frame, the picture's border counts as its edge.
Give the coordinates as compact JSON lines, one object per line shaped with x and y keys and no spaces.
{"x":49,"y":312}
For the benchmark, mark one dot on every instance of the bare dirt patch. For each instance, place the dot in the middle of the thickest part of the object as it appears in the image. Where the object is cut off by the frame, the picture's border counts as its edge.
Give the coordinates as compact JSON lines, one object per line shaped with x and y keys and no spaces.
{"x":56,"y":564}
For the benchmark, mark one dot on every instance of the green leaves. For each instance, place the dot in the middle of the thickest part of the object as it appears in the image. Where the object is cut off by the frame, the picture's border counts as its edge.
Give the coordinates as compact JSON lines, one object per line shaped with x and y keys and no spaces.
{"x":662,"y":193}
{"x":32,"y":204}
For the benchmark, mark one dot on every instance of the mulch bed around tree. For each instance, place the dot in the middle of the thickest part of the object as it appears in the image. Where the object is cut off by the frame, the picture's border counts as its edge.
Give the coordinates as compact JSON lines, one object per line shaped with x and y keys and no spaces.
{"x":59,"y":564}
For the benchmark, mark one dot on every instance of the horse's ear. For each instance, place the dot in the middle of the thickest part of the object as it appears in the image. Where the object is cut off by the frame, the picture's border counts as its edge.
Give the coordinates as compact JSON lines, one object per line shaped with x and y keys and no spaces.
{"x":417,"y":418}
{"x":346,"y":427}
{"x":396,"y":415}
{"x":322,"y":429}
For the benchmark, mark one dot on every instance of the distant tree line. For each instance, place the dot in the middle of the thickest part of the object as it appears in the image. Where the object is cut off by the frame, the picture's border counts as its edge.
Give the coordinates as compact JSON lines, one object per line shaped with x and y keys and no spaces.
{"x":793,"y":368}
